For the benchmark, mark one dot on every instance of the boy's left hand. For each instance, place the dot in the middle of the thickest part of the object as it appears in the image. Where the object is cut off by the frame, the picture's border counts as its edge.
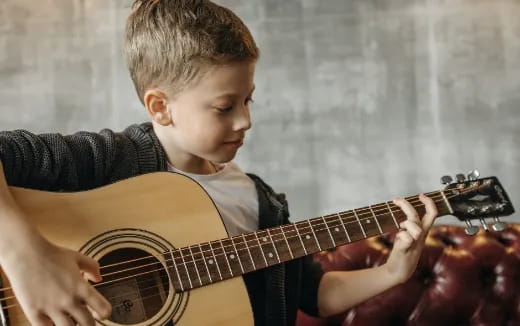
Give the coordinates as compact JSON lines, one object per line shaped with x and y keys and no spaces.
{"x":409,"y":242}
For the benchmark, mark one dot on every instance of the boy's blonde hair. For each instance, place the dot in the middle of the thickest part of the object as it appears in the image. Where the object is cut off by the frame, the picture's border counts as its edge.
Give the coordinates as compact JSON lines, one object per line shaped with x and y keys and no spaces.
{"x":168,"y":42}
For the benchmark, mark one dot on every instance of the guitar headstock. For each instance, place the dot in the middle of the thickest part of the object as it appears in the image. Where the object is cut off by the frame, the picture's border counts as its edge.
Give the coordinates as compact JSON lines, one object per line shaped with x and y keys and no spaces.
{"x":477,"y":199}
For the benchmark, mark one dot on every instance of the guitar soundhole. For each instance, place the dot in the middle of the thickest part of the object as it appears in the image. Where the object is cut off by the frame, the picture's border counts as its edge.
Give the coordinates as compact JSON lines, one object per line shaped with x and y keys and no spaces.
{"x":135,"y":283}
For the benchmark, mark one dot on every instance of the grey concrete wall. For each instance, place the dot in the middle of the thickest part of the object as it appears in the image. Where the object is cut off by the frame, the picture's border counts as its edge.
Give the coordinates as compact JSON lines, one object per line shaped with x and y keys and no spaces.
{"x":357,"y":101}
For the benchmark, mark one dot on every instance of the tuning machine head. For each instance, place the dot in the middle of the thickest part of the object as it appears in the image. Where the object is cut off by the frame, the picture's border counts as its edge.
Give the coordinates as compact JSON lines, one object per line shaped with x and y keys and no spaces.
{"x":499,"y":225}
{"x":446,"y":180}
{"x":471,"y":229}
{"x":473,"y":175}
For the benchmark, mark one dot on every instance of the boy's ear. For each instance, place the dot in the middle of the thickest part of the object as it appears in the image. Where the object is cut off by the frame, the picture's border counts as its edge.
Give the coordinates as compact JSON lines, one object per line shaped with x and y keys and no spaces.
{"x":156,"y":102}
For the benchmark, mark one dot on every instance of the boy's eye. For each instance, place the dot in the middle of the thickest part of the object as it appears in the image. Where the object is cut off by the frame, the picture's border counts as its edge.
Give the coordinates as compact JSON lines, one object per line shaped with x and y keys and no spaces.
{"x":224,"y":110}
{"x":229,"y":108}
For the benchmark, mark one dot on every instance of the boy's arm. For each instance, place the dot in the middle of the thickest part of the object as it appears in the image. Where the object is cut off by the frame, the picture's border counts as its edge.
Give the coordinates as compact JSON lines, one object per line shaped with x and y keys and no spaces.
{"x":341,"y":290}
{"x":55,"y":162}
{"x":39,"y":271}
{"x":57,"y":291}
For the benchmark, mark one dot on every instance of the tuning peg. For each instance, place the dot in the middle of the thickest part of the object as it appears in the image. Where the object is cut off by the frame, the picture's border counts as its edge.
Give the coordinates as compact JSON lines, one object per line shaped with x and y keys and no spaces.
{"x":471,"y":229}
{"x":484,"y":224}
{"x":446,"y":180}
{"x":499,"y":225}
{"x":473,"y":175}
{"x":460,"y":177}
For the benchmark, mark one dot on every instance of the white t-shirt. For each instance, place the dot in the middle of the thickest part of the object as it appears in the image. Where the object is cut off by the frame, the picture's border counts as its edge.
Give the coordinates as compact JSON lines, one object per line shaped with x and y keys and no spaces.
{"x":234,"y":194}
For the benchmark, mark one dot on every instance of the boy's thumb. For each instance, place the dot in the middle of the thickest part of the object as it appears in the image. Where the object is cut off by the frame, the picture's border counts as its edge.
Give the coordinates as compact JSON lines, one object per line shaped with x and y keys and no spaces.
{"x":90,"y":267}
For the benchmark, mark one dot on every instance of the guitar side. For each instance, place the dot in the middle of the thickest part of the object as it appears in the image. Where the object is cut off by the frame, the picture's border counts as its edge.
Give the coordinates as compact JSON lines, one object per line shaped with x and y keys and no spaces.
{"x":148,"y":213}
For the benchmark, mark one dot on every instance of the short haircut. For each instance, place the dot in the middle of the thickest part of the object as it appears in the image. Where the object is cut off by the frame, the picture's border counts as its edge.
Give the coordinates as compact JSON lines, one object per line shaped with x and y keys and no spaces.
{"x":169,"y":42}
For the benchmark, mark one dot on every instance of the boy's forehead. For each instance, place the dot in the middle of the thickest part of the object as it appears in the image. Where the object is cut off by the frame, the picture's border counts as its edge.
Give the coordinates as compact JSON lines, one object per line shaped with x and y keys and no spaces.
{"x":230,"y":93}
{"x":225,"y":80}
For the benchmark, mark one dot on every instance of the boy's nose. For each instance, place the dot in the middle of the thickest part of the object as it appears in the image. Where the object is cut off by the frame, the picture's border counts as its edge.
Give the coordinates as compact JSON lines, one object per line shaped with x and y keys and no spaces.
{"x":242,"y":119}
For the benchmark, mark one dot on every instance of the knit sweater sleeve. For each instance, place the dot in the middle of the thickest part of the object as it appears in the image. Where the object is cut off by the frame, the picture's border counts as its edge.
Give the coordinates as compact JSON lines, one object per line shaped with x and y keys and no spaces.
{"x":81,"y":161}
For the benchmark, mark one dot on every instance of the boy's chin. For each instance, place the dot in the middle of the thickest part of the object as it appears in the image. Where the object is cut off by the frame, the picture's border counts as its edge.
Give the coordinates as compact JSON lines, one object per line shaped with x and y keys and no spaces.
{"x":222,"y":159}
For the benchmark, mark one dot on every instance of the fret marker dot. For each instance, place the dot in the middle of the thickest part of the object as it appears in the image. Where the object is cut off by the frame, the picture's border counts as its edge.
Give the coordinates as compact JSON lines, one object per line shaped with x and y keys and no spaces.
{"x":232,"y":256}
{"x":307,"y":237}
{"x":270,"y":255}
{"x":264,"y":239}
{"x":210,"y":261}
{"x":368,"y":221}
{"x":336,"y":229}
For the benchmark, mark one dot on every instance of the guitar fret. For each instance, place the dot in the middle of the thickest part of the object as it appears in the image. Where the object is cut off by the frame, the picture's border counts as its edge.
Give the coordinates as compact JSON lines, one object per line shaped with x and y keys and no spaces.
{"x":309,"y":243}
{"x":393,"y":216}
{"x":196,"y":267}
{"x":375,"y":218}
{"x":270,"y":248}
{"x":314,"y":234}
{"x":386,"y":221}
{"x":447,"y":202}
{"x":360,"y":225}
{"x":220,"y":259}
{"x":237,"y":255}
{"x":261,"y":249}
{"x":300,"y":237}
{"x":186,"y":268}
{"x":336,"y":229}
{"x":205,"y":264}
{"x":287,"y":242}
{"x":328,"y":230}
{"x":281,"y":243}
{"x":224,"y":253}
{"x":249,"y":251}
{"x":244,"y":257}
{"x":253,"y":246}
{"x":177,"y":271}
{"x":343,"y":225}
{"x":178,"y":261}
{"x":212,"y":262}
{"x":274,"y":246}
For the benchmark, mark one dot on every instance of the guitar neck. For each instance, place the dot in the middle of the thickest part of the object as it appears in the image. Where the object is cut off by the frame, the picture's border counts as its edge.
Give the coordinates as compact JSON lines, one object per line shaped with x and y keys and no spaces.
{"x":214,"y":261}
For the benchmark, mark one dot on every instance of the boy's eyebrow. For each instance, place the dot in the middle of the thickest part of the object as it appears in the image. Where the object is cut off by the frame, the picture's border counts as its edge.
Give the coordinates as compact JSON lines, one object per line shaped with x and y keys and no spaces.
{"x":232,"y":94}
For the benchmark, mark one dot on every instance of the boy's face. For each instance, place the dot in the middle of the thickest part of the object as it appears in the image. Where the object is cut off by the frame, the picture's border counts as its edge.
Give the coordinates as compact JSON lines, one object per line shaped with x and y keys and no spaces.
{"x":209,"y":119}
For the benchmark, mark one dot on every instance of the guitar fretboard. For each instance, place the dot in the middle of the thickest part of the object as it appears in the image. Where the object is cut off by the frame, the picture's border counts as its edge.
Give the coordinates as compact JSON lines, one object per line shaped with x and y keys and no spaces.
{"x":210,"y":262}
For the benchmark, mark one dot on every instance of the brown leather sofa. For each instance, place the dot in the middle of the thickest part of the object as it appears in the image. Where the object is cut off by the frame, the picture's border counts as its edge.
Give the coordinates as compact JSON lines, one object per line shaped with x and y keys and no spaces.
{"x":460,"y":280}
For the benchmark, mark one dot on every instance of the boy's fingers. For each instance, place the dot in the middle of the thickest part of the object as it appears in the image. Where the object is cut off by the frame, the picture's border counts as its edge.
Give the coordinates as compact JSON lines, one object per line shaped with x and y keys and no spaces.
{"x":431,"y":211}
{"x":403,"y":241}
{"x":90,"y":267}
{"x":412,"y":228}
{"x":98,"y":303}
{"x":40,"y":320}
{"x":82,"y":315}
{"x":408,"y":209}
{"x":61,"y":319}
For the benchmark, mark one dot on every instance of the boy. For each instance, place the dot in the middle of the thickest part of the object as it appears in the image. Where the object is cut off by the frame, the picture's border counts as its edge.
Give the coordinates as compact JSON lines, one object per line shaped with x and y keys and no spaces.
{"x":192,"y":63}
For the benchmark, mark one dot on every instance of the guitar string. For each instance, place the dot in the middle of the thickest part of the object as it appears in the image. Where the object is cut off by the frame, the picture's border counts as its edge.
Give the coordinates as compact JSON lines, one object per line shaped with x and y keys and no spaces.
{"x":195,"y":260}
{"x":167,"y":283}
{"x":305,"y":229}
{"x":224,"y":253}
{"x":170,"y":260}
{"x":333,"y":217}
{"x":122,"y":295}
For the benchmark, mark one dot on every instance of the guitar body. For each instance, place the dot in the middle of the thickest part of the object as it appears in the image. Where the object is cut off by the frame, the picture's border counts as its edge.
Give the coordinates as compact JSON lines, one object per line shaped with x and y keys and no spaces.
{"x":132,"y":220}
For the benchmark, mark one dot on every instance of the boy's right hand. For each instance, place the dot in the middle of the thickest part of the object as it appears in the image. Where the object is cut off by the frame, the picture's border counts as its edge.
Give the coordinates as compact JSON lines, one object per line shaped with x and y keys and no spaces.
{"x":49,"y":283}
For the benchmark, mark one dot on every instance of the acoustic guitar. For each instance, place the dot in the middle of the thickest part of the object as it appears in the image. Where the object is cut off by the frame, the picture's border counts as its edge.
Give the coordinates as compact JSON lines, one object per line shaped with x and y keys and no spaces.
{"x":165,"y":255}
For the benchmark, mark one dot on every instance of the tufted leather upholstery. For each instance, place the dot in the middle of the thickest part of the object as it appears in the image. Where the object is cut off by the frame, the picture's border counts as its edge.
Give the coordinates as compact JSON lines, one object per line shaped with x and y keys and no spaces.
{"x":460,"y":280}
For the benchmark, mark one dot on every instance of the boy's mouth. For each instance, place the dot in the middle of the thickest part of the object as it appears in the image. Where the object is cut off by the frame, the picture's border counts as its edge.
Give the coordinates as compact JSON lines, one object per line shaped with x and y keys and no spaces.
{"x":237,"y":143}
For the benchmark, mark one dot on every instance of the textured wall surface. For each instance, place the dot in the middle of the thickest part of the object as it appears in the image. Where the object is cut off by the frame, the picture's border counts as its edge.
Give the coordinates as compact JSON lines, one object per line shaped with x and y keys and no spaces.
{"x":357,"y":101}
